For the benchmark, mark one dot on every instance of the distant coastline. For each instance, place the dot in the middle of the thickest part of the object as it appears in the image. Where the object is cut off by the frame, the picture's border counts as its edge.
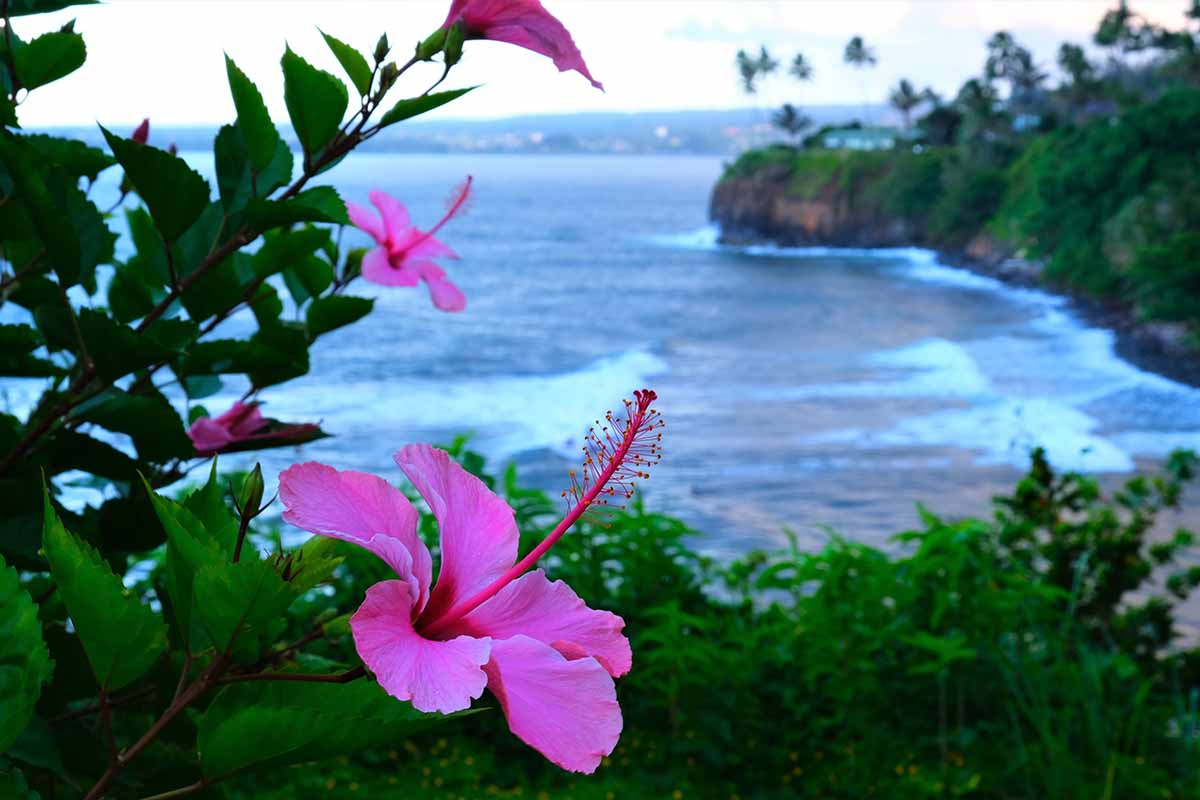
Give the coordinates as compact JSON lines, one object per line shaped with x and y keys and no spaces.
{"x":771,"y":205}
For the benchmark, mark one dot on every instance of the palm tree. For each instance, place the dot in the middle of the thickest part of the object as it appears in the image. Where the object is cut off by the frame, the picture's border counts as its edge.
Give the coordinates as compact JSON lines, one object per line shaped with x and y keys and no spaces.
{"x":791,"y":120}
{"x":801,"y":70}
{"x":747,"y":71}
{"x":904,"y":98}
{"x":858,"y":55}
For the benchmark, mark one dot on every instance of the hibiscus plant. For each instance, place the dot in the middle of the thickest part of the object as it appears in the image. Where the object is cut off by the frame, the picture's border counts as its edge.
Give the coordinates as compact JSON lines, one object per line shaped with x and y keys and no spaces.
{"x":147,"y":644}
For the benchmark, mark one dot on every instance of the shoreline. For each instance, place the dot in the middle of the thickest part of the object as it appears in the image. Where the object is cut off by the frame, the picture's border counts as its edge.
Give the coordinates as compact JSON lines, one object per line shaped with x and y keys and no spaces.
{"x":1156,"y":347}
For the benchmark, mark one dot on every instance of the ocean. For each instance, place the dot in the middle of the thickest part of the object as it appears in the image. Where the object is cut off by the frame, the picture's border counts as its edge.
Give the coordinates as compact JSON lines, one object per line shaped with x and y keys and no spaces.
{"x":811,"y":390}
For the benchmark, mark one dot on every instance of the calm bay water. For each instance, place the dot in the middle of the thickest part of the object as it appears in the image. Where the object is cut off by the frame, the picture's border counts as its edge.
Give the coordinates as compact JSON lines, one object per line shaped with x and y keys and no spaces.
{"x":803,"y":389}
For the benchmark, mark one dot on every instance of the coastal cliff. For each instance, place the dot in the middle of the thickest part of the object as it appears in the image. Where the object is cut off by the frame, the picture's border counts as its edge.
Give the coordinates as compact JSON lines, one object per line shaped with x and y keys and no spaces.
{"x":797,"y":198}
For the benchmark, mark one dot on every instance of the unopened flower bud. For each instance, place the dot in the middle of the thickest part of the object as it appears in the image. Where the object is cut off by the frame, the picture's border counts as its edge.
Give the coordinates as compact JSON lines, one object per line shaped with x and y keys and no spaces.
{"x":252,"y":491}
{"x":141,"y":134}
{"x":388,"y":76}
{"x":432,"y":45}
{"x":452,"y":52}
{"x":382,"y":49}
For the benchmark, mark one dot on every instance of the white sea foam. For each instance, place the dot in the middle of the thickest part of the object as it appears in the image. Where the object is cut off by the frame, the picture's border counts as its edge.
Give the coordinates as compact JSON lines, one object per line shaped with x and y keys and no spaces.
{"x":1032,"y":389}
{"x":506,"y":414}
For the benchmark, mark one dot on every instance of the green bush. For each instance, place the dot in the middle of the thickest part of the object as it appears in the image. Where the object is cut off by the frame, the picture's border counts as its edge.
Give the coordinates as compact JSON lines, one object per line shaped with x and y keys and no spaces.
{"x":993,"y":658}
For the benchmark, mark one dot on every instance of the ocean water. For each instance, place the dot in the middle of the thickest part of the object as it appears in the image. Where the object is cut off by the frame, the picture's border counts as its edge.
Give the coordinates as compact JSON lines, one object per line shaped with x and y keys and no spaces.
{"x":805,"y":389}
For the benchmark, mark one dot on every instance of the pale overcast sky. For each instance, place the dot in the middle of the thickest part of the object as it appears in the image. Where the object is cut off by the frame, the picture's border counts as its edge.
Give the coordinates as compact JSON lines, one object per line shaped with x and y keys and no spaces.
{"x":163,"y":58}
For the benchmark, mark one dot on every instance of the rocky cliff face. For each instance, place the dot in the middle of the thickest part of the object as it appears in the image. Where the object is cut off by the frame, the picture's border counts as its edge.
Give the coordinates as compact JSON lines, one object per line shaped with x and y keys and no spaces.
{"x":763,"y":207}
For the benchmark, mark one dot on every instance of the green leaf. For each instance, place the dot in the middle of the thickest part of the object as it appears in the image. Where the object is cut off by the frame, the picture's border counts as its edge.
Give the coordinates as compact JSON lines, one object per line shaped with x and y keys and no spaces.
{"x":419,"y":105}
{"x":319,"y":204}
{"x":19,"y":8}
{"x":13,"y":785}
{"x":129,"y":297}
{"x":149,"y":420}
{"x":48,"y":58}
{"x":51,"y":222}
{"x":24,"y":660}
{"x":307,"y":278}
{"x":254,"y":121}
{"x":289,"y":722}
{"x":353,"y":62}
{"x":114,"y":348}
{"x":329,"y":313}
{"x":122,"y":637}
{"x":207,"y":504}
{"x":286,"y":249}
{"x":174,"y":192}
{"x":189,"y":548}
{"x":76,"y":158}
{"x":316,"y":102}
{"x":17,"y":343}
{"x":286,"y":348}
{"x":235,"y":600}
{"x":68,"y":450}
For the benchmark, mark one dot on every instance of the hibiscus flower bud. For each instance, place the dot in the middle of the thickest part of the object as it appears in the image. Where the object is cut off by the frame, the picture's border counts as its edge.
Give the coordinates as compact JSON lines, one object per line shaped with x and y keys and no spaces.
{"x":455,"y":36}
{"x":382,"y":49}
{"x":252,"y":491}
{"x":141,"y":134}
{"x":432,"y":45}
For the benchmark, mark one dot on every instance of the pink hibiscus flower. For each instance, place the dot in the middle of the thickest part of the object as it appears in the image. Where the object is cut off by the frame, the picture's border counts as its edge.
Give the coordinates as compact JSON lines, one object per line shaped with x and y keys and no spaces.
{"x":524,"y":23}
{"x":488,"y":622}
{"x":243,"y":427}
{"x":404,"y":255}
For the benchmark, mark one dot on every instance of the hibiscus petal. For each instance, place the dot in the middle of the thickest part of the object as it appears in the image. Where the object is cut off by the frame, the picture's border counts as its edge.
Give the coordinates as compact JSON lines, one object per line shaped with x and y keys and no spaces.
{"x":208,"y":435}
{"x":553,"y":614}
{"x":359,"y":508}
{"x":566,"y":710}
{"x":429,"y":247}
{"x":365,"y":220}
{"x":478,"y":532}
{"x":395,"y":215}
{"x":377,"y":268}
{"x":442,"y":676}
{"x":445,"y":295}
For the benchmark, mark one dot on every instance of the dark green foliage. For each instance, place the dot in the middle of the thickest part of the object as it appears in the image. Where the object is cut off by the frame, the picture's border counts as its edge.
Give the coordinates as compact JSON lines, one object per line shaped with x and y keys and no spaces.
{"x":1022,"y":656}
{"x":24,"y":661}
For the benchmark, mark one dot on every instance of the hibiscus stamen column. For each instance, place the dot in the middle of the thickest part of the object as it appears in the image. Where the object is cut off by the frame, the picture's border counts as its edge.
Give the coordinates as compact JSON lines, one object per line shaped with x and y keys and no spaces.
{"x":619,"y":451}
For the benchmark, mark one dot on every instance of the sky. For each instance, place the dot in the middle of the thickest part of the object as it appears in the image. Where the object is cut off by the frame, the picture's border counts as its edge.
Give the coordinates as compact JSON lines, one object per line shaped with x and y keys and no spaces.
{"x":163,"y":58}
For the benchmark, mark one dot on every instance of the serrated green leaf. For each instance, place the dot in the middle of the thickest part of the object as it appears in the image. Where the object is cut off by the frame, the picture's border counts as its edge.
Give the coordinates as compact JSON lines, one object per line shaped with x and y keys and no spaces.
{"x":174,"y":192}
{"x":24,"y":659}
{"x":76,"y":158}
{"x":307,"y":278}
{"x":20,"y":8}
{"x":148,"y":419}
{"x":238,"y":600}
{"x":189,"y":548}
{"x":49,"y":57}
{"x":207,"y":504}
{"x":129,"y":297}
{"x":319,"y":204}
{"x":122,"y":637}
{"x":254,"y":121}
{"x":329,"y":313}
{"x":415,"y":106}
{"x":285,"y":249}
{"x":316,"y":102}
{"x":273,"y":724}
{"x":114,"y":348}
{"x":14,"y":787}
{"x":353,"y":62}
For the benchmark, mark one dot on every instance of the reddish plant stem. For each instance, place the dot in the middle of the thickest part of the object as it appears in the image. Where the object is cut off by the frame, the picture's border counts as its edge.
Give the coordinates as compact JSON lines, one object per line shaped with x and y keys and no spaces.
{"x":298,"y":677}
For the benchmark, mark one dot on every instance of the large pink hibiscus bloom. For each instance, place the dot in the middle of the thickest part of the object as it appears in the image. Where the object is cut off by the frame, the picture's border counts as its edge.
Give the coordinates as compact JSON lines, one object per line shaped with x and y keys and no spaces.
{"x":488,"y":622}
{"x":525,"y":23}
{"x":404,"y":256}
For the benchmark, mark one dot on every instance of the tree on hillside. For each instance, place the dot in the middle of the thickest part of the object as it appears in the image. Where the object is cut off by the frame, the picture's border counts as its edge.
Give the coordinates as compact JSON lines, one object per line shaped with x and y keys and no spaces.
{"x":802,"y":70}
{"x":747,"y":67}
{"x":905,"y":98}
{"x":1081,"y":83}
{"x":858,"y":55}
{"x":792,"y":121}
